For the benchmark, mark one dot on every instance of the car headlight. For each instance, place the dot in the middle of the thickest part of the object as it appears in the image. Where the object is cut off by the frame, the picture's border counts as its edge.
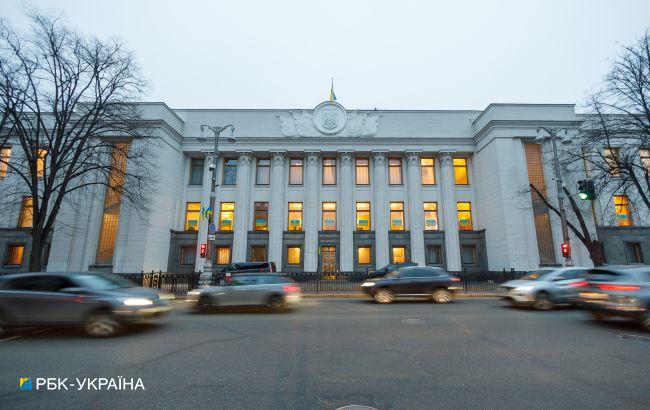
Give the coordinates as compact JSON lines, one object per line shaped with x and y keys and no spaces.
{"x":366,"y":284}
{"x":524,"y":288}
{"x":193,"y":293}
{"x":138,"y":302}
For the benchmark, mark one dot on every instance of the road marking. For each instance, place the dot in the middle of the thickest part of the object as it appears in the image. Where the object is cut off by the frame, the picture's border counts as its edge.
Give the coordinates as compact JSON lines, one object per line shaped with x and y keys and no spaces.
{"x":636,"y":338}
{"x":413,"y":321}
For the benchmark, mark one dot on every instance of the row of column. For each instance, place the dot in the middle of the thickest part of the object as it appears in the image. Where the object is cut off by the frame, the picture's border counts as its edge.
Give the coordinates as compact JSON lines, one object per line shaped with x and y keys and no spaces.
{"x":345,"y":208}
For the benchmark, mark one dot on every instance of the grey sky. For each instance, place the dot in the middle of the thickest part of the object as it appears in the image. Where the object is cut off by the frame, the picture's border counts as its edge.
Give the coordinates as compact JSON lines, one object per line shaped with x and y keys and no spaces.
{"x":386,"y":54}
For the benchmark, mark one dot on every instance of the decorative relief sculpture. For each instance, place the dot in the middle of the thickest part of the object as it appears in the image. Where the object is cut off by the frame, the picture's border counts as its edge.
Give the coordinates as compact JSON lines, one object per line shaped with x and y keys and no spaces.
{"x":329,"y":118}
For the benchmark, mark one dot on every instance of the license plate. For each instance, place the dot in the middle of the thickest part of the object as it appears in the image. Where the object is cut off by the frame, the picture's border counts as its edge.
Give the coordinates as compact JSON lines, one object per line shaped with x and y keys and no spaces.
{"x":593,"y":295}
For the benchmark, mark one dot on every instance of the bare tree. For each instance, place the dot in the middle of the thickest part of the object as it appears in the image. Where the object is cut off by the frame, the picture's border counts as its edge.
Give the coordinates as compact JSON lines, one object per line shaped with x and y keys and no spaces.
{"x":68,"y":114}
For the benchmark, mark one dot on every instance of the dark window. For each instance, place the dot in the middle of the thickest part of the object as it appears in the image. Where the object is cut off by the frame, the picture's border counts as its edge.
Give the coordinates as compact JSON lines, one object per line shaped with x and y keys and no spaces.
{"x":188,"y":254}
{"x":417,"y":273}
{"x":243,"y":280}
{"x":573,"y":274}
{"x":468,"y":255}
{"x":258,"y":253}
{"x":263,"y":172}
{"x":44,"y":283}
{"x":435,"y":255}
{"x":634,"y":253}
{"x":230,"y":171}
{"x":196,"y":171}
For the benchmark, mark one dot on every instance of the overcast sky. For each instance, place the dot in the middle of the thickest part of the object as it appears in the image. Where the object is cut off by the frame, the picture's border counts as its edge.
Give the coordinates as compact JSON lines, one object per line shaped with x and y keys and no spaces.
{"x":385,"y":54}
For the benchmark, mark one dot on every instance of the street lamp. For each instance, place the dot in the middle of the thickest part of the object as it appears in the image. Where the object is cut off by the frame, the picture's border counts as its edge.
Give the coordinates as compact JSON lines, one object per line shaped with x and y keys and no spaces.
{"x":565,"y":138}
{"x":216,"y":131}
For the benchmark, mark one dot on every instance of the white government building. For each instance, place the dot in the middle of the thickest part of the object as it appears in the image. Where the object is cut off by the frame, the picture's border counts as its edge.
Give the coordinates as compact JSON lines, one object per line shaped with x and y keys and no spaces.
{"x":331,"y":189}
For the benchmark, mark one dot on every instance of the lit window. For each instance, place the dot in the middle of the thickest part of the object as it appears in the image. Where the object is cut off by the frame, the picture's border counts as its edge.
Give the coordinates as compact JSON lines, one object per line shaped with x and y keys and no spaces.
{"x":611,"y":156}
{"x":362,"y":171}
{"x":460,"y":171}
{"x":397,"y":216}
{"x":622,"y":206}
{"x":295,"y":216}
{"x":329,"y":171}
{"x":329,"y":216}
{"x":26,"y":218}
{"x":464,"y":216}
{"x":263,"y":172}
{"x":431,"y":216}
{"x":222,"y":255}
{"x":399,"y":254}
{"x":14,"y":255}
{"x":258,"y":253}
{"x":261,"y":216}
{"x":230,"y":171}
{"x":363,"y":255}
{"x":295,"y":172}
{"x":363,"y":216}
{"x":196,"y":171}
{"x":395,"y":171}
{"x":227,"y":216}
{"x":643,"y":153}
{"x":192,"y":216}
{"x":5,"y":154}
{"x":40,"y":162}
{"x":427,"y":168}
{"x":293,"y":255}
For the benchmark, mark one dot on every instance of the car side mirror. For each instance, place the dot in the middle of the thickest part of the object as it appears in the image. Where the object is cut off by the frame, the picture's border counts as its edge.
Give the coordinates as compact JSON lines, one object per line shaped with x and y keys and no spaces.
{"x":75,"y":290}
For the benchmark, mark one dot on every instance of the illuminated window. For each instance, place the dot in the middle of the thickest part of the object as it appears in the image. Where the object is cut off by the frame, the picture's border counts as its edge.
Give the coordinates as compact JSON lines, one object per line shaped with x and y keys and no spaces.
{"x":293,"y":255}
{"x":295,"y":172}
{"x":362,"y":171}
{"x":40,"y":162}
{"x":329,"y":216}
{"x":196,"y":171}
{"x":395,"y":171}
{"x":227,"y":216}
{"x":222,"y":255}
{"x":464,"y":216}
{"x":295,"y":216}
{"x":397,"y":216}
{"x":622,"y":206}
{"x":431,"y":216}
{"x":611,"y":156}
{"x":427,"y":169}
{"x":398,"y":254}
{"x":258,"y":253}
{"x":363,"y":255}
{"x":192,"y":216}
{"x":230,"y":171}
{"x":261,"y":216}
{"x":329,"y":171}
{"x":14,"y":255}
{"x":263,"y":172}
{"x":460,"y":171}
{"x":26,"y":219}
{"x":363,"y":216}
{"x":5,"y":154}
{"x":643,"y":153}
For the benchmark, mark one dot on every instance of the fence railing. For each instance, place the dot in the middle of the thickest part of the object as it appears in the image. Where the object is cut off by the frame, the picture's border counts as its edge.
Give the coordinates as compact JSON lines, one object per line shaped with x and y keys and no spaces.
{"x":318,"y":282}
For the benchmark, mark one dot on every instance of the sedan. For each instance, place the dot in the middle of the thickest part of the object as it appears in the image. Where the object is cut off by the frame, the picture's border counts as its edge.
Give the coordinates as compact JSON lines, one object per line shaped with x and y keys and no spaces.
{"x":101,"y":303}
{"x":435,"y":284}
{"x":544,"y":289}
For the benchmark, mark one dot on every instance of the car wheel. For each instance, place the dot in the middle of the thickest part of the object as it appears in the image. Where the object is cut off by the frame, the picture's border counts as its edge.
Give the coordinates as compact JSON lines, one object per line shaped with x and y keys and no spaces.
{"x":101,"y":324}
{"x":3,"y":323}
{"x":441,"y":296}
{"x":275,"y":303}
{"x":645,"y":322}
{"x":384,"y":296}
{"x":596,"y":315}
{"x":543,"y":301}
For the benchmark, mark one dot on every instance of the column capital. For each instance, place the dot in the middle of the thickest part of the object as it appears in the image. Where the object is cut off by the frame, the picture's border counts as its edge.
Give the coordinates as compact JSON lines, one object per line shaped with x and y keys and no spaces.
{"x":311,"y":157}
{"x":446,"y":157}
{"x":278,"y":157}
{"x":346,"y":157}
{"x":379,"y":157}
{"x":210,"y":154}
{"x":245,"y":157}
{"x":413,"y":157}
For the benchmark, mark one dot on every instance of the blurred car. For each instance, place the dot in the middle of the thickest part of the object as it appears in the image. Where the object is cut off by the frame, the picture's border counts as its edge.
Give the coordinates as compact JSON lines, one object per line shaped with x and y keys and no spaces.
{"x":101,"y":303}
{"x":272,"y":290}
{"x":413,"y":281}
{"x":618,"y":291}
{"x":390,"y":268}
{"x":249,"y":267}
{"x":545,"y":288}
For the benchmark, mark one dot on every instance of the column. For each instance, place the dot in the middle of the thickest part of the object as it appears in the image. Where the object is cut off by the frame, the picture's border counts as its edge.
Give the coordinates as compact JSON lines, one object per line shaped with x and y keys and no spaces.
{"x":381,"y":215}
{"x":416,"y":209}
{"x":242,"y":206}
{"x":344,"y":210}
{"x":450,"y":212}
{"x":276,"y":208}
{"x":310,"y":210}
{"x":206,"y":187}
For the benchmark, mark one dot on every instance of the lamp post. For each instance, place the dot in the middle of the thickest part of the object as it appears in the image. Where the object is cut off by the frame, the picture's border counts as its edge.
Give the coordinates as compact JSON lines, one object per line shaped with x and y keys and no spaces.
{"x":553,"y":134}
{"x":216,"y":131}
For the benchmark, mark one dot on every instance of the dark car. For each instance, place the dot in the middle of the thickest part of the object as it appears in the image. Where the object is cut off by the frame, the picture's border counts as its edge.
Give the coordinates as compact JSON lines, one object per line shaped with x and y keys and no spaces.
{"x":390,"y":268}
{"x":101,"y":303}
{"x":618,"y":291}
{"x":415,"y":281}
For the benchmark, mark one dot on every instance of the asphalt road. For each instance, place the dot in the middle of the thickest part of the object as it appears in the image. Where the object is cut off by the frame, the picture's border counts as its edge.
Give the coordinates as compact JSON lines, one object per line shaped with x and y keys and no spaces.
{"x":331,"y":353}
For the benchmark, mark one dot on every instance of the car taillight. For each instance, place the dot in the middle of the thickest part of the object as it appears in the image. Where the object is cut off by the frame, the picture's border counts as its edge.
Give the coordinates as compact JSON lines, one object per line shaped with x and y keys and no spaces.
{"x":605,"y":286}
{"x":582,"y":283}
{"x":291,"y":288}
{"x":455,"y":279}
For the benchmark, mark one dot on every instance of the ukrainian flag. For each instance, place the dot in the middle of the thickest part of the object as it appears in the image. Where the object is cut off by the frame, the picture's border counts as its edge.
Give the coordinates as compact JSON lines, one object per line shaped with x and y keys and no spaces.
{"x":332,"y":95}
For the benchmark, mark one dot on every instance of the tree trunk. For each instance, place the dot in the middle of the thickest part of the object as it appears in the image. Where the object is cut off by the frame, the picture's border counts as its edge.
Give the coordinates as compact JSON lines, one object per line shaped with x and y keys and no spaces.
{"x":36,"y":254}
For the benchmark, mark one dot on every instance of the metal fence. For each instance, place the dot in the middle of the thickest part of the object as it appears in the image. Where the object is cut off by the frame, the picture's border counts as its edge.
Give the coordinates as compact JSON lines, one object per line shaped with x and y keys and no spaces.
{"x":176,"y":283}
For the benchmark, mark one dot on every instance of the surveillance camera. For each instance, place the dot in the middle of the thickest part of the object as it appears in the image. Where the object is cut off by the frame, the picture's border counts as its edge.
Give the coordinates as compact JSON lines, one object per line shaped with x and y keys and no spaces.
{"x":211,"y":167}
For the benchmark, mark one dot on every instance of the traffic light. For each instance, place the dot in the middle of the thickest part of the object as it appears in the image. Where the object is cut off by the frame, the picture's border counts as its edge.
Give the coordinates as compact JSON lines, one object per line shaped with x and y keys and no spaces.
{"x":586,"y":189}
{"x":566,"y":250}
{"x":203,"y":249}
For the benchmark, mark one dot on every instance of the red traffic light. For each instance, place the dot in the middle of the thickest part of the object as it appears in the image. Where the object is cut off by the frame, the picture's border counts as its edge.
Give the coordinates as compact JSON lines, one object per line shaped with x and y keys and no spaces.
{"x":203,"y":249}
{"x":566,"y":250}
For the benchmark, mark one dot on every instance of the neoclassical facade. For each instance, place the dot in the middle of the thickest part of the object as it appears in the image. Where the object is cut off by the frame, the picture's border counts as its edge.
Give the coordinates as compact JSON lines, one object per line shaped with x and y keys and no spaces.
{"x":331,"y":189}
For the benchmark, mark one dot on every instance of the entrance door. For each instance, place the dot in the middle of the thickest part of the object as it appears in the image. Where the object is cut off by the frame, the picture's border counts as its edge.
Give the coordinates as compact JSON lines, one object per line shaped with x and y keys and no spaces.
{"x":328,"y":258}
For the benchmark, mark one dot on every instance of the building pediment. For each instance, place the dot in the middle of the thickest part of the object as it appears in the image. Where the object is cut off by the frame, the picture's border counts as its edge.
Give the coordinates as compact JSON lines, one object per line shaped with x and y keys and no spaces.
{"x":329,"y":118}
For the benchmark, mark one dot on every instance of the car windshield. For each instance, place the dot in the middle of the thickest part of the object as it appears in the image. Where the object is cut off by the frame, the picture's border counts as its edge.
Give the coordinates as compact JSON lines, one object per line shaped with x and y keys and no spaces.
{"x":104,"y":282}
{"x":536,"y":275}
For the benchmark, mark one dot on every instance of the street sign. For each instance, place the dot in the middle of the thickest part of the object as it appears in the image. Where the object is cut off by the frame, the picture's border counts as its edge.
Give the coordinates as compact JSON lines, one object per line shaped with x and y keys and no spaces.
{"x":212,"y":229}
{"x":211,"y":237}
